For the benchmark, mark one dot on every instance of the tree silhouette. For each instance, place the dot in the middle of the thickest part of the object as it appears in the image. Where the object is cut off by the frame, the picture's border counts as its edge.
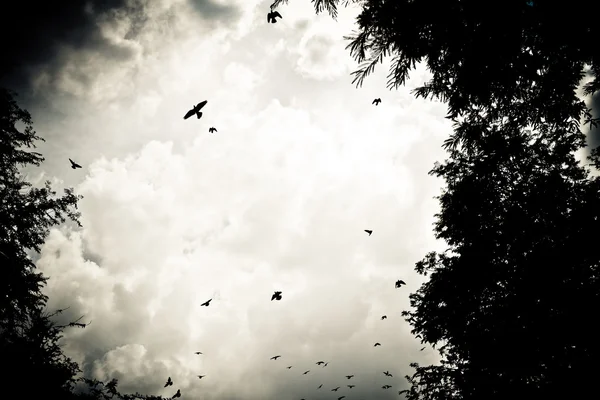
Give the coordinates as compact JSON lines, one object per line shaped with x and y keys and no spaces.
{"x":35,"y":365}
{"x":512,"y":299}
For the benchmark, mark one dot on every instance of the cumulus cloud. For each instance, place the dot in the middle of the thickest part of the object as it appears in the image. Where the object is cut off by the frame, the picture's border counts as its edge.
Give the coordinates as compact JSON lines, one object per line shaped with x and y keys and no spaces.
{"x":276,"y":200}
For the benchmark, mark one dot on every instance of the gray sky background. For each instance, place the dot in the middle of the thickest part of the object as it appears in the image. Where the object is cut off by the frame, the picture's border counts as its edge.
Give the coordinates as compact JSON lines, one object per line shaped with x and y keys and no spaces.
{"x":276,"y":200}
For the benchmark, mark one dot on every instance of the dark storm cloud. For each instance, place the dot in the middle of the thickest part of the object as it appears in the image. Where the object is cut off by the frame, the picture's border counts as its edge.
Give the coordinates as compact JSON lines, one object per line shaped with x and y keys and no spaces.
{"x":33,"y":32}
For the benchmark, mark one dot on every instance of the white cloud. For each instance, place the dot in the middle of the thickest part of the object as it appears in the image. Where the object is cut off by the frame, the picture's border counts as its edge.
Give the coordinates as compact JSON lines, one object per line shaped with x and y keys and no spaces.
{"x":276,"y":200}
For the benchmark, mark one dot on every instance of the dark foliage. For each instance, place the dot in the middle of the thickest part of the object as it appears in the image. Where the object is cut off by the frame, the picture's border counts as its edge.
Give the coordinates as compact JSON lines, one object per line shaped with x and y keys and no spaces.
{"x":512,"y":301}
{"x":35,"y":365}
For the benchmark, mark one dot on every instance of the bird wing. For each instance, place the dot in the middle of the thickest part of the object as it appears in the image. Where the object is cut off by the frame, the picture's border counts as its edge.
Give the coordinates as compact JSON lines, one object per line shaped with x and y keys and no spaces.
{"x":200,"y":105}
{"x":276,"y":14}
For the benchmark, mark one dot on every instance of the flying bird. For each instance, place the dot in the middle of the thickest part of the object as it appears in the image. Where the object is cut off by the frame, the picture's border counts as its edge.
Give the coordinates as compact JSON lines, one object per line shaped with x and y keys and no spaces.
{"x":169,"y":382}
{"x":387,"y":373}
{"x":377,"y":344}
{"x":320,"y":386}
{"x":178,"y":394}
{"x":276,"y":296}
{"x":272,"y":17}
{"x":324,"y":365}
{"x":275,"y":358}
{"x":369,"y":231}
{"x":335,"y":389}
{"x":422,"y":348}
{"x":386,"y":387}
{"x":290,"y":367}
{"x":399,"y":283}
{"x":74,"y":165}
{"x":351,"y":386}
{"x":320,"y":362}
{"x":196,"y":110}
{"x":198,"y":352}
{"x":206,"y":303}
{"x":306,"y":372}
{"x":376,"y":101}
{"x":212,"y":129}
{"x":201,"y":376}
{"x":349,"y":376}
{"x":341,"y":397}
{"x":383,"y":317}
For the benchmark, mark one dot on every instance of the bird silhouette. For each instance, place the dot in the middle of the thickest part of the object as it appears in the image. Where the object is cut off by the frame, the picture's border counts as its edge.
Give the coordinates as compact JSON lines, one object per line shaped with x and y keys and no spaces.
{"x":386,"y":387}
{"x":335,"y":389}
{"x":349,"y":376}
{"x":377,"y":344}
{"x":169,"y":382}
{"x":383,"y":317}
{"x":320,"y":386}
{"x":196,"y":110}
{"x":387,"y":373}
{"x":198,"y":352}
{"x":306,"y":372}
{"x":201,"y":376}
{"x":275,"y":358}
{"x":376,"y":101}
{"x":178,"y":394}
{"x":350,"y":386}
{"x":206,"y":303}
{"x":74,"y":165}
{"x":320,"y":362}
{"x":276,"y":296}
{"x":422,"y":348}
{"x":341,"y":397}
{"x":290,"y":367}
{"x":369,"y":231}
{"x":399,"y":283}
{"x":272,"y":17}
{"x":212,"y":129}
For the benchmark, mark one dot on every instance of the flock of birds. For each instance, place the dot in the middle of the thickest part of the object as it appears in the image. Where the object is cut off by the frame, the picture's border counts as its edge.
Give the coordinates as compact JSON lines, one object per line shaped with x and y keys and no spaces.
{"x":195,"y":110}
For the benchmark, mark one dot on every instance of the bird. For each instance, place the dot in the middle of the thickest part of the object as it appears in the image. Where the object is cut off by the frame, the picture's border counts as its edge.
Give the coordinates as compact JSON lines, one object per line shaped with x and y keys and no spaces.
{"x":350,"y":386}
{"x":341,"y":397}
{"x":74,"y":165}
{"x":387,"y":373}
{"x":422,"y":348}
{"x":376,"y":101}
{"x":201,"y":376}
{"x":178,"y":394}
{"x":275,"y":358}
{"x":196,"y":110}
{"x":272,"y":16}
{"x":377,"y":344}
{"x":349,"y":376}
{"x":206,"y":303}
{"x":399,"y":283}
{"x":276,"y":296}
{"x":306,"y":372}
{"x":169,"y":382}
{"x":320,"y":362}
{"x":383,"y":317}
{"x":369,"y":231}
{"x":212,"y":129}
{"x":290,"y":367}
{"x":320,"y":386}
{"x":198,"y":352}
{"x":386,"y":387}
{"x":335,"y":389}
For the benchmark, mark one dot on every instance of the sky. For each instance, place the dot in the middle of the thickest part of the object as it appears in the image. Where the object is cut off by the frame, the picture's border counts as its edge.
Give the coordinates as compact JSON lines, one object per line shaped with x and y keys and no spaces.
{"x":277,"y":199}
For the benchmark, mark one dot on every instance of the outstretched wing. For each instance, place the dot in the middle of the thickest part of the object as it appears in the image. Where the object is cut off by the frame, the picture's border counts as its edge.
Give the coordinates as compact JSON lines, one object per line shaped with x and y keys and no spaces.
{"x":276,"y":14}
{"x":201,"y":104}
{"x":189,"y":114}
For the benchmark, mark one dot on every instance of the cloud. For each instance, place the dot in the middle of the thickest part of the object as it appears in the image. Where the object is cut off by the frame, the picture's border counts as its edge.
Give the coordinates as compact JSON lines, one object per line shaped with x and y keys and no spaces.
{"x":276,"y":200}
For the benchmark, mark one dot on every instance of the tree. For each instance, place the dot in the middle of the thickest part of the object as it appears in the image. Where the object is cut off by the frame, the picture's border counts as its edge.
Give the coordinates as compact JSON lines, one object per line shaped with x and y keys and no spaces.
{"x":509,"y":299}
{"x":29,"y":339}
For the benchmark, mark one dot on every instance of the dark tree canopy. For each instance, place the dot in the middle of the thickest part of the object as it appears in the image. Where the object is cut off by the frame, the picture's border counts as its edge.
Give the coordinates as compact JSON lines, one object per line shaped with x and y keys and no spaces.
{"x":35,"y":366}
{"x":512,"y":301}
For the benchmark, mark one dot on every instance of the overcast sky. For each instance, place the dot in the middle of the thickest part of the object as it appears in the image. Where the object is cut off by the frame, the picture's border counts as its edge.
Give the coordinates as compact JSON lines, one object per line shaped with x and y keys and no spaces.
{"x":277,"y":199}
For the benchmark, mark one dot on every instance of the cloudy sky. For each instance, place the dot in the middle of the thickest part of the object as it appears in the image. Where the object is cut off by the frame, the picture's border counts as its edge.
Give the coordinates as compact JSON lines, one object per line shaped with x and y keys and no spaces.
{"x":277,"y":199}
